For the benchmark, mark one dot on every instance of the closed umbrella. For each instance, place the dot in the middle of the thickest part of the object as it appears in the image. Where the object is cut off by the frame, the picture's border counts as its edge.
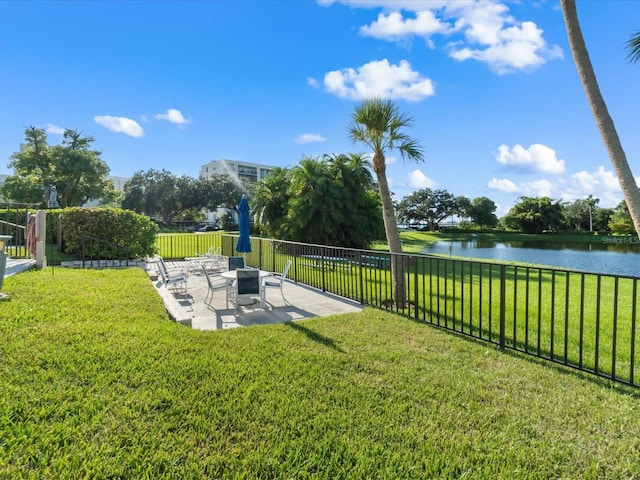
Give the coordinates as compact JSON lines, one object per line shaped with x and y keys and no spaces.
{"x":244,"y":242}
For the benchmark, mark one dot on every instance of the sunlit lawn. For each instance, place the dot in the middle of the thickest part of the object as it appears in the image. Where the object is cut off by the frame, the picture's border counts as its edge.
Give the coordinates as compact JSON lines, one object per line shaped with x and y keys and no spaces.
{"x":97,"y":383}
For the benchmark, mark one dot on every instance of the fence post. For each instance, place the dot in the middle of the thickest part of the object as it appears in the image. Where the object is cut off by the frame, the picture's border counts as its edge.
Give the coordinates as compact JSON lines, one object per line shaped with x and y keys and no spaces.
{"x":503,"y":290}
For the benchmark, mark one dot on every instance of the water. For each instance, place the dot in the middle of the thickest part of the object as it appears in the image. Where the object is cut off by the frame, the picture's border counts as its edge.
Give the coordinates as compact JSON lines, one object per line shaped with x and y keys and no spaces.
{"x":604,"y":257}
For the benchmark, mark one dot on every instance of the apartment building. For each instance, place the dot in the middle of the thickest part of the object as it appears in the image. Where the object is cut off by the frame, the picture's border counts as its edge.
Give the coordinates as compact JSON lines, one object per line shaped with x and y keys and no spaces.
{"x":245,"y":171}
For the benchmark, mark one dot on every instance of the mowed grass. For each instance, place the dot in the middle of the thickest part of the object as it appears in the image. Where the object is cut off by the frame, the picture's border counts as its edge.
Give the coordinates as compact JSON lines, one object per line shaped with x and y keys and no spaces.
{"x":96,"y":382}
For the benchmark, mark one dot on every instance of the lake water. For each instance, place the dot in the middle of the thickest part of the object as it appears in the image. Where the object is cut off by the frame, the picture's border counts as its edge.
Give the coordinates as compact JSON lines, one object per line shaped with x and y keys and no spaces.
{"x":604,"y":257}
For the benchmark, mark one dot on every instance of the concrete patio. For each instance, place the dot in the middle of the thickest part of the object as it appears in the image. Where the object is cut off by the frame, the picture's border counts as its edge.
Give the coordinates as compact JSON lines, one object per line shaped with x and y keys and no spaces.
{"x":302,"y":302}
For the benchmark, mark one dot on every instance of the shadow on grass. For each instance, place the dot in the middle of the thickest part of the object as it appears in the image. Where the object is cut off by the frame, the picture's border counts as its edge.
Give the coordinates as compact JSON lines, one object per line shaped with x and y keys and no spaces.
{"x":316,"y":337}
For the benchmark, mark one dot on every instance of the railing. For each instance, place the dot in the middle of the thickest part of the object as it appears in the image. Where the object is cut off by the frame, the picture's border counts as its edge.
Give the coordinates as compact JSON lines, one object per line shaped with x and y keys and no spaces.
{"x":13,"y":222}
{"x":98,"y":253}
{"x":581,"y":320}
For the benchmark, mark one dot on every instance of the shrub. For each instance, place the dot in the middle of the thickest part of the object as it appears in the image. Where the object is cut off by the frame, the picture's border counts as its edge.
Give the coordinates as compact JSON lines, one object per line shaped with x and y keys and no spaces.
{"x":122,"y":228}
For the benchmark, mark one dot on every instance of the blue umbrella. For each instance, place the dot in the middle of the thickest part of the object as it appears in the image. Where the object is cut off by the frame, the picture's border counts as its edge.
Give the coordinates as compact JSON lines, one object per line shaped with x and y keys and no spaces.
{"x":244,"y":243}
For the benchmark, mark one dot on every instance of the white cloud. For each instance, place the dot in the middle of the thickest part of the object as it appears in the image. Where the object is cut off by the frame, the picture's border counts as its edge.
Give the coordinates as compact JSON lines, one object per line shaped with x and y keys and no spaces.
{"x":173,"y":116}
{"x":536,"y":159}
{"x":310,"y":138}
{"x":502,"y":185}
{"x":602,"y":184}
{"x":515,"y":48}
{"x":54,"y":129}
{"x":381,"y":79}
{"x":394,"y":27}
{"x":479,"y":30}
{"x":312,"y":82}
{"x":419,"y":180}
{"x":538,"y":188}
{"x":120,"y":125}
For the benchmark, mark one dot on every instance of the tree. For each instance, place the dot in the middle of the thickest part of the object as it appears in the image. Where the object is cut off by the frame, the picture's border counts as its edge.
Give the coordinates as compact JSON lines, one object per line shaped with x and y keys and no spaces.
{"x":378,"y":124}
{"x":356,"y":201}
{"x":218,"y":191}
{"x":329,"y":201}
{"x":77,"y":171}
{"x":160,"y":193}
{"x":620,"y":221}
{"x":482,"y":212}
{"x":271,"y":200}
{"x":535,"y":215}
{"x":463,"y":207}
{"x":427,"y":206}
{"x":599,"y":108}
{"x":580,"y":214}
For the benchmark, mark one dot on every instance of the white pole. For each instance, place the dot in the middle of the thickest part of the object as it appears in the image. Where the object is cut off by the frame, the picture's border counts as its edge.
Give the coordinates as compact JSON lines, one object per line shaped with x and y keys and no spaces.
{"x":41,"y":237}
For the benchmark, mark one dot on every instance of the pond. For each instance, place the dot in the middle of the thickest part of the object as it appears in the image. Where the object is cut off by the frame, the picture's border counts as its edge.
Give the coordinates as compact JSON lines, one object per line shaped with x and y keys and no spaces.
{"x":613,"y":256}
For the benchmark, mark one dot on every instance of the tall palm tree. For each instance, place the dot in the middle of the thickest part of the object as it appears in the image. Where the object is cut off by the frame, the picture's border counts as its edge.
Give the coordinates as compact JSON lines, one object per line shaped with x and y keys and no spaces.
{"x":378,"y":123}
{"x":599,"y":110}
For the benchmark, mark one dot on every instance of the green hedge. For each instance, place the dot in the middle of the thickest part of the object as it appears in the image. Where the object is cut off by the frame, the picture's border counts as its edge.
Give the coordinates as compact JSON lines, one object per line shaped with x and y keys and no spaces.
{"x":122,"y":228}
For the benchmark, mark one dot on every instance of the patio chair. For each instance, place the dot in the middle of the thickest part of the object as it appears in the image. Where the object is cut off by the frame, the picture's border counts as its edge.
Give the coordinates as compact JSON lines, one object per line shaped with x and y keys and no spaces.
{"x":236,"y":262}
{"x":214,"y":285}
{"x":174,"y":279}
{"x":246,"y":285}
{"x":211,"y":252}
{"x":278,"y":282}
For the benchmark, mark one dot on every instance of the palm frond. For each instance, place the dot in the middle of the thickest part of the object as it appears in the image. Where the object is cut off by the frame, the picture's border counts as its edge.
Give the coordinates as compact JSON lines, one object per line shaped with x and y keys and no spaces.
{"x":633,"y":44}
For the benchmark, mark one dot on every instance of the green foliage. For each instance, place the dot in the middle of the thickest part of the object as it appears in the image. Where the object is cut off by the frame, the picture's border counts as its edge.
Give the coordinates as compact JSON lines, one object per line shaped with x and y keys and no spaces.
{"x":97,"y":383}
{"x":535,"y":215}
{"x":329,"y":201}
{"x":218,"y":191}
{"x":620,"y":221}
{"x":77,"y":171}
{"x":122,"y":228}
{"x":271,"y":197}
{"x":482,"y":212}
{"x":160,"y":193}
{"x":633,"y":44}
{"x":426,"y":206}
{"x":228,"y":222}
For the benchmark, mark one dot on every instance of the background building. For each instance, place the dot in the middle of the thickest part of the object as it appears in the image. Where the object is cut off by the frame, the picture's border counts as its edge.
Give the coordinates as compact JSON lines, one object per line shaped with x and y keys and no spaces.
{"x":244,"y":171}
{"x":239,"y":171}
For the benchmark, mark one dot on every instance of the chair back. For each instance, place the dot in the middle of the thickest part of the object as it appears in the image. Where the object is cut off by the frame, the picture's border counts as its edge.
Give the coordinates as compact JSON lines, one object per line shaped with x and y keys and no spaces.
{"x":248,"y":281}
{"x":162,"y":265}
{"x":286,"y":269}
{"x":206,"y":275}
{"x":236,"y":263}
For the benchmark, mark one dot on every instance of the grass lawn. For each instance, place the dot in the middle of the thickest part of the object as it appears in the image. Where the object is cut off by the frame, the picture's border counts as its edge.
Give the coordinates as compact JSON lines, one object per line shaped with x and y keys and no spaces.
{"x":97,"y":383}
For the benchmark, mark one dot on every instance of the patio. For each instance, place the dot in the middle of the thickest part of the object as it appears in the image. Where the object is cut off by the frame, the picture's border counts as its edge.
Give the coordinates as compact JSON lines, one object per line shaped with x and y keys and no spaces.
{"x":190,"y":309}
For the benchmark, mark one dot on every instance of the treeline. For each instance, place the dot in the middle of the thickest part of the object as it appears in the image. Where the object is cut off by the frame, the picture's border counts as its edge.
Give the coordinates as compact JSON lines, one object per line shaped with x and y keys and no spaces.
{"x":330,"y":200}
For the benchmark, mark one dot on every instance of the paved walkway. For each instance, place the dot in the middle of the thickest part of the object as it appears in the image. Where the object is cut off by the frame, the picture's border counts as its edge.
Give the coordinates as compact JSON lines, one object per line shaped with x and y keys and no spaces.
{"x":190,"y":309}
{"x":17,"y":265}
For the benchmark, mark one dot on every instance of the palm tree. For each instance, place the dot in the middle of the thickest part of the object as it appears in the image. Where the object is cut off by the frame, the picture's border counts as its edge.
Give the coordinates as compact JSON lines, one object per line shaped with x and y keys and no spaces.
{"x":634,"y":47}
{"x":599,"y":109}
{"x":378,"y":123}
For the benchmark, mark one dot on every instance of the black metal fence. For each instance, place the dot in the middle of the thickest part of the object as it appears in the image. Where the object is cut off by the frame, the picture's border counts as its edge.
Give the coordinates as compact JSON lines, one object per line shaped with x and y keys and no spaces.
{"x":578,"y":319}
{"x":13,"y":222}
{"x":98,"y":253}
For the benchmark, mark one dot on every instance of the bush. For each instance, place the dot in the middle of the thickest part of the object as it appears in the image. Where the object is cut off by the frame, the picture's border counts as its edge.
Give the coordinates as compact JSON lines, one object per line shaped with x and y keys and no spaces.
{"x":122,"y":228}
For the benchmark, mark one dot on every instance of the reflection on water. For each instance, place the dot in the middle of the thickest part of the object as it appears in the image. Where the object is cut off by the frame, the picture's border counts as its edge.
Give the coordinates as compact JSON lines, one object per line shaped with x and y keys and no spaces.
{"x":606,"y":257}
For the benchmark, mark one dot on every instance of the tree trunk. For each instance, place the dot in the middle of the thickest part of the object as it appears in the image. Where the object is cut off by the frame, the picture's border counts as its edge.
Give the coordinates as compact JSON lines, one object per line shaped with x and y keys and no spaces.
{"x":393,"y":239}
{"x":600,"y":112}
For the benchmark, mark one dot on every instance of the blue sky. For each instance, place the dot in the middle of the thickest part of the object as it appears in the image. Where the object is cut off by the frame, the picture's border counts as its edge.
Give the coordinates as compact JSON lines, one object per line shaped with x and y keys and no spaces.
{"x":491,"y":86}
